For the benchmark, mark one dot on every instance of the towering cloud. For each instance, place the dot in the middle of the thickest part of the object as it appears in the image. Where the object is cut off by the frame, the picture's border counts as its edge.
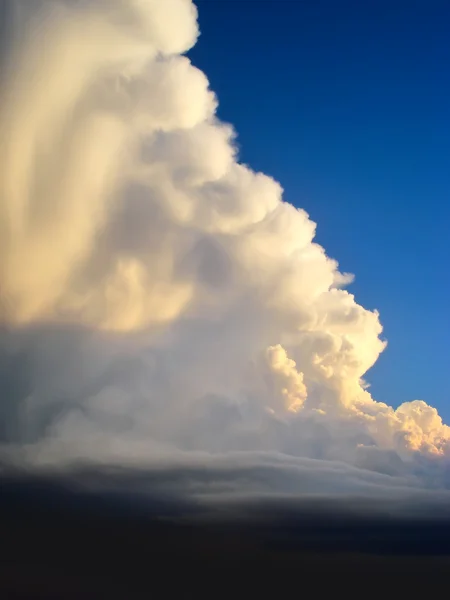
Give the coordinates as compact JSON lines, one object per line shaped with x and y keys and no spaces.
{"x":158,"y":298}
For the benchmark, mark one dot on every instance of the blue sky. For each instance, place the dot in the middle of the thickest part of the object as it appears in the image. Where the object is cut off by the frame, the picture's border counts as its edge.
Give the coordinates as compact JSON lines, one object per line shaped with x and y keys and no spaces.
{"x":347,"y":104}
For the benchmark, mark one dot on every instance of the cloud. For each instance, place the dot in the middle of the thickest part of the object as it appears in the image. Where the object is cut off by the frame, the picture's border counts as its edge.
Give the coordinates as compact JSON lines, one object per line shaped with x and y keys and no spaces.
{"x":158,"y":298}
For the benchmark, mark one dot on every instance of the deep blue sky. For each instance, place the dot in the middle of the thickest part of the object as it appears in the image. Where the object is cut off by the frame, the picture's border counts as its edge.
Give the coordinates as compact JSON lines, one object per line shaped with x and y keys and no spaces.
{"x":347,"y":104}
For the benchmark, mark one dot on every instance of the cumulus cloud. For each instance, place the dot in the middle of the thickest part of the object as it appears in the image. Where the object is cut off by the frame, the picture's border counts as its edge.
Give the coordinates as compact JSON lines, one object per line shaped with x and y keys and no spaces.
{"x":158,"y":298}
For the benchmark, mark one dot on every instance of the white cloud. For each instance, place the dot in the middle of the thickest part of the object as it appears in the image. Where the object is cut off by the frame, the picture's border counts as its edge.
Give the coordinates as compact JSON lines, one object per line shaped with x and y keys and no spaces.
{"x":159,"y":297}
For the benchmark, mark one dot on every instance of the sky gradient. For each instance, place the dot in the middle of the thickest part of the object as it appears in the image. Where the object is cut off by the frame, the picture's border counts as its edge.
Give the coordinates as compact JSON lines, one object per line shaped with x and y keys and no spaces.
{"x":347,"y":105}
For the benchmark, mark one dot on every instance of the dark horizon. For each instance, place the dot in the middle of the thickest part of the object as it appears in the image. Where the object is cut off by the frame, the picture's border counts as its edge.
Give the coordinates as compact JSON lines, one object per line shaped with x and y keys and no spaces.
{"x":56,"y":534}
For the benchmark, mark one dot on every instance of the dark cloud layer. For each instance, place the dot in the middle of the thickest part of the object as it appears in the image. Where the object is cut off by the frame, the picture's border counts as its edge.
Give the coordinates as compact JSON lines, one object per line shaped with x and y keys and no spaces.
{"x":87,"y":535}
